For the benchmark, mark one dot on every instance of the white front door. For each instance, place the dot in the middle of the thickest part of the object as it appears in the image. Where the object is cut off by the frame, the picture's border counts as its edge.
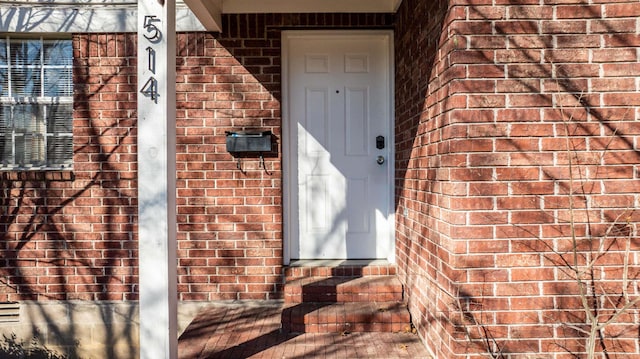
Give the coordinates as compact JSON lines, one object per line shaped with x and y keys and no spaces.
{"x":337,"y":108}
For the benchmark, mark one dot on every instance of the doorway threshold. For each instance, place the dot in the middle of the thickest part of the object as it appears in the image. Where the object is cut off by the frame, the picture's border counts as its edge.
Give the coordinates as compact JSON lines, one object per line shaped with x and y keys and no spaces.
{"x":338,"y":262}
{"x":307,"y":268}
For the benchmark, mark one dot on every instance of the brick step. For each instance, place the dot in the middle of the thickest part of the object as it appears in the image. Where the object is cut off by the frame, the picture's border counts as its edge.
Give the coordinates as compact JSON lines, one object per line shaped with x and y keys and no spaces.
{"x":346,"y":317}
{"x":344,"y":289}
{"x":349,"y":268}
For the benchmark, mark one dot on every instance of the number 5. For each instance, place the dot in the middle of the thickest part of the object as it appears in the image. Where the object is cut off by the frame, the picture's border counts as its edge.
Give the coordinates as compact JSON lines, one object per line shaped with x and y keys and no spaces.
{"x":155,"y":34}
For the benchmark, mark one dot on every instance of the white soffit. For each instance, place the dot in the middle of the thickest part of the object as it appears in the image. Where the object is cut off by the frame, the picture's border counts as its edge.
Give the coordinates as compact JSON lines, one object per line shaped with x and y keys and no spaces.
{"x":54,"y":16}
{"x":209,"y":11}
{"x":60,"y":16}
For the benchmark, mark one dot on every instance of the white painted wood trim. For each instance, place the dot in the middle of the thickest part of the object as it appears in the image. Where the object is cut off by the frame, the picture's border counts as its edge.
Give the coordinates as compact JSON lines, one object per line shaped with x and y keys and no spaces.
{"x":94,"y":16}
{"x":83,"y":18}
{"x":208,"y":12}
{"x":289,"y":153}
{"x":392,"y":147}
{"x":157,"y":223}
{"x":289,"y":158}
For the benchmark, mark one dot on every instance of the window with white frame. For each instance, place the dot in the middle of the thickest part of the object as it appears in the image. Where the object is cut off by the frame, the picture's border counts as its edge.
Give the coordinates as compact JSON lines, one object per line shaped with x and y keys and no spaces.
{"x":36,"y":95}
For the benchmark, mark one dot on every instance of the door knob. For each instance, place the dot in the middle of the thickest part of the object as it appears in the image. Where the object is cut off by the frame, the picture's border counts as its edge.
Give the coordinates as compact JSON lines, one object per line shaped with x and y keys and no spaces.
{"x":380,"y":160}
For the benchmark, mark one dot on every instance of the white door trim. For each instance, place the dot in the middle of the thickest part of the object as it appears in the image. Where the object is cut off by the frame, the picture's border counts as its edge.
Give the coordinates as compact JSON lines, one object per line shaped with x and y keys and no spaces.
{"x":289,"y":153}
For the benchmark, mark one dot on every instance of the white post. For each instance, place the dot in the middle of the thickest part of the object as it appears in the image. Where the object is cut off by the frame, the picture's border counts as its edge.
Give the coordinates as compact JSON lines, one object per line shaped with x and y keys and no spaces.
{"x":157,"y":179}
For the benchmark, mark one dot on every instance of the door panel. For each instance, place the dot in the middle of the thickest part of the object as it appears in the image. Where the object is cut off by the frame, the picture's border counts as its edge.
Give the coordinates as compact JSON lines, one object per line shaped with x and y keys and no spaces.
{"x":338,"y":95}
{"x":357,"y":121}
{"x":316,"y":121}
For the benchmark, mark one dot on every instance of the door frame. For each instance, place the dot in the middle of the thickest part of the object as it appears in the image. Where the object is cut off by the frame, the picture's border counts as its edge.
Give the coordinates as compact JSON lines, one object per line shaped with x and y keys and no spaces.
{"x":289,"y":149}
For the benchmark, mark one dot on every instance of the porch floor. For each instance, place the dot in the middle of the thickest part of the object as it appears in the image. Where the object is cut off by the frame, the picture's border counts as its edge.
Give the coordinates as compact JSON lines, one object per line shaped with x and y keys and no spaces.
{"x":252,"y":330}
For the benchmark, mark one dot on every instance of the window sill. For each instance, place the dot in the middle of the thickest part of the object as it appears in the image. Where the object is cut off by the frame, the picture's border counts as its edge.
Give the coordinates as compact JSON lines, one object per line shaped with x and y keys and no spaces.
{"x":37,"y":175}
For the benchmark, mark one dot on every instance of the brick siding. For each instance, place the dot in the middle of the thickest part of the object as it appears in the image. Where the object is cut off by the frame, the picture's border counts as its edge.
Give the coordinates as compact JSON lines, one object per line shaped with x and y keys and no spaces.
{"x":73,"y":235}
{"x":486,"y":93}
{"x":230,"y":221}
{"x":488,"y":97}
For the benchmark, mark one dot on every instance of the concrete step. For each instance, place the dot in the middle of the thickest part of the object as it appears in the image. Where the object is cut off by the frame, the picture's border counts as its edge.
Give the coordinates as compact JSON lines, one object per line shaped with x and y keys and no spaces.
{"x":378,"y":288}
{"x":346,"y":317}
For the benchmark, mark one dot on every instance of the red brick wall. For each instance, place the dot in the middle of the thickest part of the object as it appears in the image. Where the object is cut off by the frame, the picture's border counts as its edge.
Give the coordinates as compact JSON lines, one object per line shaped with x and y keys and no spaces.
{"x":484,"y":94}
{"x":73,"y":235}
{"x":424,"y":246}
{"x":489,"y":97}
{"x":230,"y":221}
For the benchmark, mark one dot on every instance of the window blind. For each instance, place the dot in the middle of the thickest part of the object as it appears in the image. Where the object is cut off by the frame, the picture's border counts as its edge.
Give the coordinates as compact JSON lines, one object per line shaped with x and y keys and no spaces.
{"x":36,"y":95}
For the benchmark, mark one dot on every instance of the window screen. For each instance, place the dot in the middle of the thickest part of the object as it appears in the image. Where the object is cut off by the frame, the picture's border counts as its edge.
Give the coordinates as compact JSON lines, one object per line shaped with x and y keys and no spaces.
{"x":36,"y":95}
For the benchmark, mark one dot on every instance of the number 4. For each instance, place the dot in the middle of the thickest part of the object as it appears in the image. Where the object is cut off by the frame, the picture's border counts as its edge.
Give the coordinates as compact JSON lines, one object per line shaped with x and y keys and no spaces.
{"x":150,"y":89}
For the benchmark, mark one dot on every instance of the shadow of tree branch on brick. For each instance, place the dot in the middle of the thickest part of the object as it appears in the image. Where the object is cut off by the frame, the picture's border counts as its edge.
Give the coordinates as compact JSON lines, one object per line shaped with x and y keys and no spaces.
{"x":588,"y":242}
{"x":493,"y":155}
{"x":68,"y":237}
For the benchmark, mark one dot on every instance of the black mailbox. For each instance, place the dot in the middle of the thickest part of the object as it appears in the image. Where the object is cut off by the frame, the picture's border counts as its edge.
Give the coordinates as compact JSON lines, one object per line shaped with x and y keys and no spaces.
{"x":248,"y":141}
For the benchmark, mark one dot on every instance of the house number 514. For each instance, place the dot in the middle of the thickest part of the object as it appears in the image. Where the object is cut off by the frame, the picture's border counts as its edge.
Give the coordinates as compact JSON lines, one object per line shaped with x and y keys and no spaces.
{"x":153,"y":35}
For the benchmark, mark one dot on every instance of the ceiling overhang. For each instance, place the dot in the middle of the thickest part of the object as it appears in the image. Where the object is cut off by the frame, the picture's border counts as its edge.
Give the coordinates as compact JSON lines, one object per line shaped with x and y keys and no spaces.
{"x":72,"y":16}
{"x":209,"y":12}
